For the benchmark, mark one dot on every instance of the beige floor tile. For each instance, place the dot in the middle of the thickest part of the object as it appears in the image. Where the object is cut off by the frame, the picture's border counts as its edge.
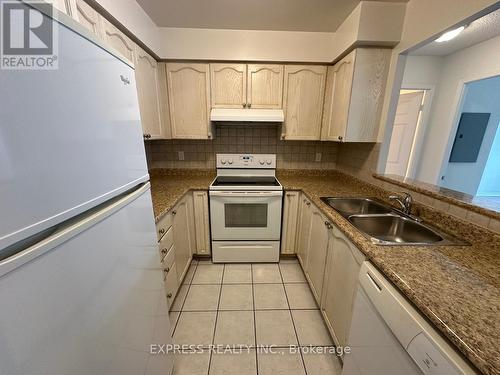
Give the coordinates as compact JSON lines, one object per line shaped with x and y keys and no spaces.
{"x":237,"y":274}
{"x":191,"y":364}
{"x":180,"y":298}
{"x":270,"y":297}
{"x":190,"y":274}
{"x":266,"y":273}
{"x":281,"y":362}
{"x":289,"y":260}
{"x":292,"y":273}
{"x":310,"y":327}
{"x":300,"y":296}
{"x":243,"y":363}
{"x":209,"y":274}
{"x":174,"y":317}
{"x":236,"y":297}
{"x":235,"y":328}
{"x":274,"y":327}
{"x":322,"y":363}
{"x":195,"y":328}
{"x":202,"y":298}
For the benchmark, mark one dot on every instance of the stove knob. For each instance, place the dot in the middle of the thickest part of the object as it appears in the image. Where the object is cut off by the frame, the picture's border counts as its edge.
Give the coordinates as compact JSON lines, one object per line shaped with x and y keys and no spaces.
{"x":223,"y":161}
{"x":230,"y":161}
{"x":261,"y":162}
{"x":268,"y":162}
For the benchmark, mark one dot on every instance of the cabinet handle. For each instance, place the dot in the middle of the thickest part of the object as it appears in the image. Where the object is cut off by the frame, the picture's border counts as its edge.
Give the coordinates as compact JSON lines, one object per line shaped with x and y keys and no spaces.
{"x":174,"y":212}
{"x":289,"y":194}
{"x":308,"y":203}
{"x":169,"y":295}
{"x":164,"y":251}
{"x":340,"y":138}
{"x":166,"y":270}
{"x":328,"y":225}
{"x":146,"y":136}
{"x":244,"y":105}
{"x":249,"y":105}
{"x":161,"y":231}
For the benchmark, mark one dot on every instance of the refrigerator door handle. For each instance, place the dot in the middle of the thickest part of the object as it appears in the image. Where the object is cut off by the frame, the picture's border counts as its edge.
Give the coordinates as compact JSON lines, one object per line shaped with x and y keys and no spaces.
{"x":64,"y":231}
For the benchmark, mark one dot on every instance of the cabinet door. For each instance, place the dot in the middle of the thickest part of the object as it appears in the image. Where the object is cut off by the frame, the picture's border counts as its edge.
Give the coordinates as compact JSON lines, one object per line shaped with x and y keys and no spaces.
{"x":201,"y":222}
{"x":303,"y":96}
{"x":182,"y":238}
{"x":337,"y":99}
{"x":189,"y":100}
{"x":265,"y":86}
{"x":341,"y":279}
{"x":290,"y":218}
{"x":150,"y":94}
{"x":66,"y":6}
{"x":317,"y":250}
{"x":304,"y":231}
{"x":88,"y":17}
{"x":228,"y":85}
{"x":118,"y":40}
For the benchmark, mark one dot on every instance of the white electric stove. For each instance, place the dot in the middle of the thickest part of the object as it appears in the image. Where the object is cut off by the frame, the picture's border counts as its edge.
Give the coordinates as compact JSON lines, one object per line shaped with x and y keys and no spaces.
{"x":245,"y":209}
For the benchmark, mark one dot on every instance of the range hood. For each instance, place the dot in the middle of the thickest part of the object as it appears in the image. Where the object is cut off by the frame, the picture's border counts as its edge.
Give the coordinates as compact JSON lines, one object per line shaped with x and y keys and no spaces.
{"x":246,"y":115}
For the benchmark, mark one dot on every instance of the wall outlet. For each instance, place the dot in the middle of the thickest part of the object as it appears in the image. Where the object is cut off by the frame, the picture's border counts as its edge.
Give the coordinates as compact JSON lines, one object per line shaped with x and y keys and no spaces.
{"x":318,"y":157}
{"x":181,"y":155}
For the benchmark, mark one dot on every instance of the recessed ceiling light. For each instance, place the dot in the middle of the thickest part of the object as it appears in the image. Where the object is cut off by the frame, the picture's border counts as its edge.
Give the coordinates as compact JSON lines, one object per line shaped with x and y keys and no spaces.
{"x":449,"y":35}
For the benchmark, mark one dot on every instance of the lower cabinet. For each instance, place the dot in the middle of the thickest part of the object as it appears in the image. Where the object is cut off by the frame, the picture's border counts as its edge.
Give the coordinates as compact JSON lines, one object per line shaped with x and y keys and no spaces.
{"x":317,"y":251}
{"x":303,"y":230}
{"x":182,"y":234}
{"x":341,"y":279}
{"x":290,"y":218}
{"x":201,"y":223}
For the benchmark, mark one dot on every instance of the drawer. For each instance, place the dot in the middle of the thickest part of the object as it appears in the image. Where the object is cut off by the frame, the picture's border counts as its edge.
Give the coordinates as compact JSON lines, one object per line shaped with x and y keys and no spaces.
{"x":171,"y":286}
{"x":167,"y":241}
{"x":163,"y":225}
{"x":167,"y":259}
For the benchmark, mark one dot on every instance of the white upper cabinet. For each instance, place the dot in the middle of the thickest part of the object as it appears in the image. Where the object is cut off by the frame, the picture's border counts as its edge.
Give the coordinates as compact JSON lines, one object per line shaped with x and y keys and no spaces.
{"x":228,"y":85}
{"x":303,"y":94}
{"x":354,"y":96}
{"x":189,"y":100}
{"x":88,"y":17}
{"x":151,"y":90}
{"x":118,"y":40}
{"x":265,"y":86}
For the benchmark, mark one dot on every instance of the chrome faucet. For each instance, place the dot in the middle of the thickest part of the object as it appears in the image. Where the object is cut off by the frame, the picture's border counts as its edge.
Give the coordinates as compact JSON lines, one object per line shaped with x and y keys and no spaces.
{"x":405,"y":201}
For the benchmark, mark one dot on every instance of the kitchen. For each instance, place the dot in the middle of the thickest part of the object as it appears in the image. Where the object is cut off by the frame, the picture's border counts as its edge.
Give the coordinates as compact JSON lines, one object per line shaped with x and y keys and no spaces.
{"x":234,"y":193}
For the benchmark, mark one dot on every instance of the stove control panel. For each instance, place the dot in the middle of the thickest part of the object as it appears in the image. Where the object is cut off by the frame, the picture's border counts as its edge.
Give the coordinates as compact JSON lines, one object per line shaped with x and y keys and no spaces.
{"x":251,"y":161}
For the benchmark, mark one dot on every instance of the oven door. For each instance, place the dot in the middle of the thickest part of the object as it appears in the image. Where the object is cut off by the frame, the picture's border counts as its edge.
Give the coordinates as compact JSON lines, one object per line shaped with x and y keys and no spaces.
{"x":238,"y":215}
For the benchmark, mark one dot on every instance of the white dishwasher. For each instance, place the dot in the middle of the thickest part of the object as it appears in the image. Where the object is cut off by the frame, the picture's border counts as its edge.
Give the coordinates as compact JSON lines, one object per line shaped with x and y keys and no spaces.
{"x":388,"y":336}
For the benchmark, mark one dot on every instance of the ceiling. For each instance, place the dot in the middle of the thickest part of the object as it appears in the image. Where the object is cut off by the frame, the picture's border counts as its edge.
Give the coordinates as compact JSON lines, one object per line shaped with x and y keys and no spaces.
{"x":477,"y":31}
{"x":283,"y":15}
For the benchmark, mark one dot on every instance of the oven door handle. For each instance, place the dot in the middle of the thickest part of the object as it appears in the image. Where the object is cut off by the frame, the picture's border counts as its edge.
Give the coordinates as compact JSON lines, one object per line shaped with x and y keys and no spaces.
{"x":242,"y":194}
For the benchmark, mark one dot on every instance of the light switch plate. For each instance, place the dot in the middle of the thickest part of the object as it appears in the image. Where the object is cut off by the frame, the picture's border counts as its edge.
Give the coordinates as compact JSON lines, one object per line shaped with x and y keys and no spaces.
{"x":181,"y":155}
{"x":318,"y":157}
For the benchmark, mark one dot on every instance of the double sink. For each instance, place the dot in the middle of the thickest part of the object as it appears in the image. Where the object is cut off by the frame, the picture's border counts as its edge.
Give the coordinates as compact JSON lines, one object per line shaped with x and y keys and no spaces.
{"x":385,"y":225}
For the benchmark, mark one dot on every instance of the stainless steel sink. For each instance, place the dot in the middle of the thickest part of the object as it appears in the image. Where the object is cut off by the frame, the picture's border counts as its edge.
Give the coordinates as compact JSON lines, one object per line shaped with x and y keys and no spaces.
{"x":395,"y":229}
{"x":356,"y":206}
{"x":386,"y":225}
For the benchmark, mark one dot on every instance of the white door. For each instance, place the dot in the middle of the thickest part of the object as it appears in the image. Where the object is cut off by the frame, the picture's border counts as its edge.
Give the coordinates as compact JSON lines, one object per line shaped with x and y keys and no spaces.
{"x":403,"y":132}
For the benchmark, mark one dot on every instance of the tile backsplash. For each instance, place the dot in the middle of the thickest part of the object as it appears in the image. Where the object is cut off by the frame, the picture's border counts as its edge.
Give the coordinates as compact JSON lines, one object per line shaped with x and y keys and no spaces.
{"x":242,"y":138}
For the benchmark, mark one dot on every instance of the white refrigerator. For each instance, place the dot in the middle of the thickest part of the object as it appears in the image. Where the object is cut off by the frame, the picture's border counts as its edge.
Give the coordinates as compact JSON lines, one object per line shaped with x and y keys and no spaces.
{"x":81,"y":288}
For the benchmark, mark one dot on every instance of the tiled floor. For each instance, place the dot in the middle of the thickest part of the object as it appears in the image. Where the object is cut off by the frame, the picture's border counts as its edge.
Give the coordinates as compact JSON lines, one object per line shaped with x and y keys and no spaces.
{"x":254,"y":305}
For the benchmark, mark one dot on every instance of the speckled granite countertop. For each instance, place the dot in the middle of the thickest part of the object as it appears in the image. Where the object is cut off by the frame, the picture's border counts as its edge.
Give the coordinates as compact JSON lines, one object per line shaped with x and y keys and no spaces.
{"x":169,"y":185}
{"x":456,"y":287}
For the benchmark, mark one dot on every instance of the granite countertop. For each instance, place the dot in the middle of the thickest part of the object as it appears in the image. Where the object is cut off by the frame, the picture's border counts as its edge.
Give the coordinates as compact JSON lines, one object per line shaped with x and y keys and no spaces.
{"x":169,"y":185}
{"x":456,"y":287}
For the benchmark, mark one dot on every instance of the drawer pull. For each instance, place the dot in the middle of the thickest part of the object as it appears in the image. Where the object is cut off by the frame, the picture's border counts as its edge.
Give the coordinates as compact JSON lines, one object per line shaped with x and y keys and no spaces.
{"x":166,"y":270}
{"x":164,"y":251}
{"x":174,"y":212}
{"x":308,"y":203}
{"x":161,"y":231}
{"x":169,"y":295}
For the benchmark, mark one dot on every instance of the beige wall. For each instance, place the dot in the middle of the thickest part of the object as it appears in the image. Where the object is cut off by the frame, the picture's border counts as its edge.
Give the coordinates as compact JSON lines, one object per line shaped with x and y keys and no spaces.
{"x":200,"y":154}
